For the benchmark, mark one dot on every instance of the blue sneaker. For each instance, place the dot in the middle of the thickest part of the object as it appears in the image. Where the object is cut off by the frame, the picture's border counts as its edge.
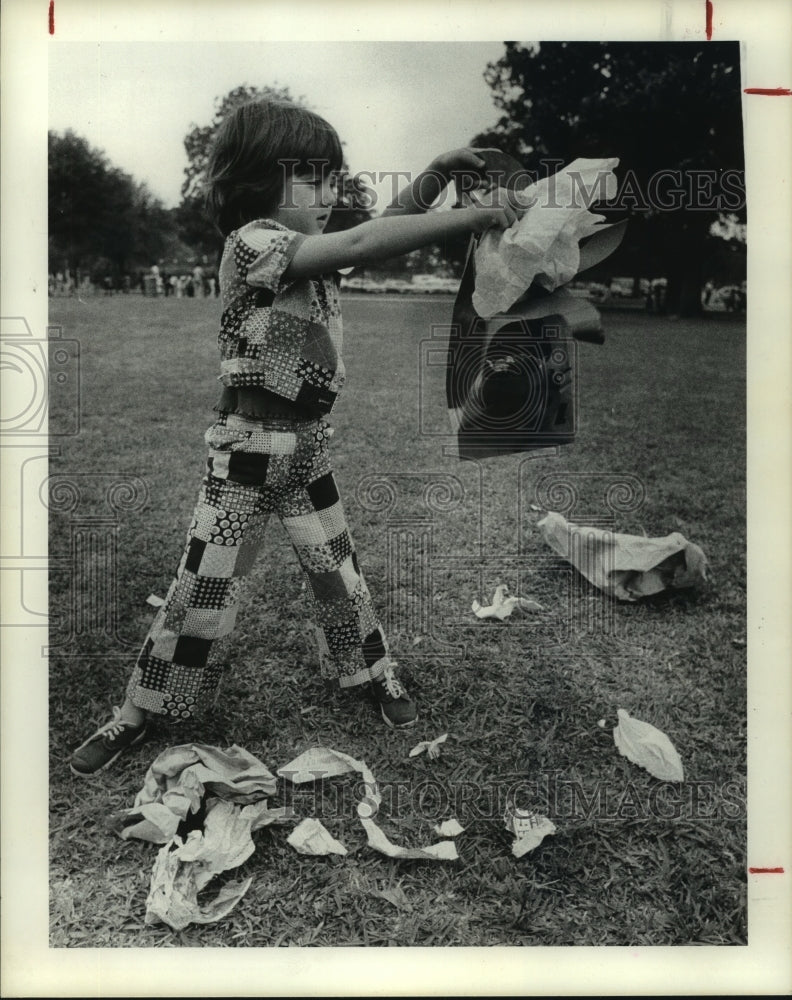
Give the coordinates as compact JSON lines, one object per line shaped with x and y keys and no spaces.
{"x":106,"y":744}
{"x":398,"y":709}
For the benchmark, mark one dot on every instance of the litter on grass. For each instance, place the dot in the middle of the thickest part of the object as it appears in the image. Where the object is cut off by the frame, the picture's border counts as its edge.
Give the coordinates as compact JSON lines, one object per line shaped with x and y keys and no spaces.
{"x":648,"y":747}
{"x":443,"y":850}
{"x":503,"y":604}
{"x":182,"y":779}
{"x":173,"y":896}
{"x":448,"y":828}
{"x":312,"y":837}
{"x":432,"y":747}
{"x":155,"y":601}
{"x":529,"y":829}
{"x":222,"y":792}
{"x":626,"y":566}
{"x":323,"y":762}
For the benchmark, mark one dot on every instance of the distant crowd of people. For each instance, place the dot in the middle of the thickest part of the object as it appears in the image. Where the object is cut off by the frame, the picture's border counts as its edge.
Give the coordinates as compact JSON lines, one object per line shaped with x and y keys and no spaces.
{"x":733,"y":298}
{"x":65,"y":284}
{"x":198,"y":283}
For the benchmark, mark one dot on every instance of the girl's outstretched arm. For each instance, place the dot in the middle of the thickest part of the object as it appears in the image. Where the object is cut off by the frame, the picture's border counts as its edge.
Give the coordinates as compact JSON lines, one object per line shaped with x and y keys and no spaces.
{"x":424,"y":190}
{"x":383,"y":238}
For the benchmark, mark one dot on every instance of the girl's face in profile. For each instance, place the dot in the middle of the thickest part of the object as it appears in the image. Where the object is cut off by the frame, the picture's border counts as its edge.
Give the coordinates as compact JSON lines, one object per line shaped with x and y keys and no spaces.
{"x":307,"y":202}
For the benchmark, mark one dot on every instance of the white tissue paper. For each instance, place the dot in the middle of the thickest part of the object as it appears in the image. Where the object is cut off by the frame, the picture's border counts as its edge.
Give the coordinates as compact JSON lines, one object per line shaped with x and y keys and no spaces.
{"x":323,"y":762}
{"x":432,"y":747}
{"x":312,"y":837}
{"x":648,"y":747}
{"x":231,"y":787}
{"x":449,"y":828}
{"x":529,"y":828}
{"x":503,"y":605}
{"x":544,"y":245}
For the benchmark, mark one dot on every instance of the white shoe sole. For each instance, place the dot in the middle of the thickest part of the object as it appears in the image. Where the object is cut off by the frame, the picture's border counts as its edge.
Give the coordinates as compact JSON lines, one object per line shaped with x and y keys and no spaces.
{"x":393,"y":725}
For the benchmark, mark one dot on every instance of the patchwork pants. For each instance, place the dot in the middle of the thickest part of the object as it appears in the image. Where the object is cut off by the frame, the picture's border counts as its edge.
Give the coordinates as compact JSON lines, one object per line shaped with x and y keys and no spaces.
{"x":256,"y":468}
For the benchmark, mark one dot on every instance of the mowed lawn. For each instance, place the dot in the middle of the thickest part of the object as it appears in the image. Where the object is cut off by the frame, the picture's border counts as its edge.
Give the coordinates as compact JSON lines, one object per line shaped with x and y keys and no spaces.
{"x":528,"y":704}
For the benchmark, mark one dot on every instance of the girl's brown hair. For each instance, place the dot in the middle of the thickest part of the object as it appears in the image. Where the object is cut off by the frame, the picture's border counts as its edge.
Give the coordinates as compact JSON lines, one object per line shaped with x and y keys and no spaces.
{"x":256,"y":147}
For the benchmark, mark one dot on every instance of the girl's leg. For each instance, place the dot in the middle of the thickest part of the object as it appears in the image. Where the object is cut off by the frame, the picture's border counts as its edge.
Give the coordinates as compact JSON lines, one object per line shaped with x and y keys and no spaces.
{"x":352,"y":646}
{"x":131,"y":713}
{"x":179,"y":665}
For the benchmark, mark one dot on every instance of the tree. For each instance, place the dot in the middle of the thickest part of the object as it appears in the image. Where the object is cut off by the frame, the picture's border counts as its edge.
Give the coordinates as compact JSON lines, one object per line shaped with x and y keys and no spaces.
{"x":98,"y":215}
{"x":662,"y":106}
{"x":195,"y":227}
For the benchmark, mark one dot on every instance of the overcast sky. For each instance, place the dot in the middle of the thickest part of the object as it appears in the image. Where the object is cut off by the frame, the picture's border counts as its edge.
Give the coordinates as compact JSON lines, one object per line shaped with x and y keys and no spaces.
{"x":394,"y":104}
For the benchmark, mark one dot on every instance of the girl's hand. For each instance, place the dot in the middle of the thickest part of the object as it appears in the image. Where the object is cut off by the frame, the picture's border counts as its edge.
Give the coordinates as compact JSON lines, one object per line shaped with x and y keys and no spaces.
{"x":494,"y":209}
{"x":484,"y":217}
{"x":463,"y":160}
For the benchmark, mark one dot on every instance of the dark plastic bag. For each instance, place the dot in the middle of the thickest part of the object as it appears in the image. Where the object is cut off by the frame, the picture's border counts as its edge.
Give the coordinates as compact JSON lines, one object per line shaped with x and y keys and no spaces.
{"x":510,"y":379}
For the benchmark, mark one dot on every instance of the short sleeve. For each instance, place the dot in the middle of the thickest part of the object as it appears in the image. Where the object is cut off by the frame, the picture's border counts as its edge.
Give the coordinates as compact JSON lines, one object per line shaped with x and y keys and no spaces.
{"x":262,"y":255}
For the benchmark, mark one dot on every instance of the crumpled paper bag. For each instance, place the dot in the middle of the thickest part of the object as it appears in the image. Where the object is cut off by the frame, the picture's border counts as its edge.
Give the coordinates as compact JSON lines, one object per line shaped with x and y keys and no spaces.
{"x":312,"y":837}
{"x":173,"y":896}
{"x":184,"y":868}
{"x":544,"y":245}
{"x":643,"y":744}
{"x":529,"y":829}
{"x":231,"y":787}
{"x":323,"y":762}
{"x":626,"y":566}
{"x":177,"y":781}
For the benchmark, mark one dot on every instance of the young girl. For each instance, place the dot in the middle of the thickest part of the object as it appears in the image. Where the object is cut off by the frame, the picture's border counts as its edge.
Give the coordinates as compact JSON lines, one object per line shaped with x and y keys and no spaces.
{"x":271,"y":191}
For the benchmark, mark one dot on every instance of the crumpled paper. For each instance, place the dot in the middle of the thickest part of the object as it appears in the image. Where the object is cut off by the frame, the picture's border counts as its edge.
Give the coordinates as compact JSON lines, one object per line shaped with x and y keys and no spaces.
{"x":432,"y":747}
{"x":544,"y":245}
{"x":503,"y":604}
{"x":312,"y":837}
{"x":177,"y":781}
{"x":449,"y":828}
{"x":529,"y":829}
{"x":231,"y":787}
{"x":173,"y":896}
{"x":626,"y":566}
{"x":643,"y":744}
{"x":323,"y":762}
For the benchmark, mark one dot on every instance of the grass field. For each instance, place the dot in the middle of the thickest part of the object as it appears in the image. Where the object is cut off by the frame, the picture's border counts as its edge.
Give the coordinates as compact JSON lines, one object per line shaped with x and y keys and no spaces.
{"x":634,"y":861}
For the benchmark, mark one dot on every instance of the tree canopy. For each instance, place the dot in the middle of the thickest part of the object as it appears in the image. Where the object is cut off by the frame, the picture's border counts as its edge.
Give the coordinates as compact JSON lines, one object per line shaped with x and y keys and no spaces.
{"x":670,"y":111}
{"x":99,"y":217}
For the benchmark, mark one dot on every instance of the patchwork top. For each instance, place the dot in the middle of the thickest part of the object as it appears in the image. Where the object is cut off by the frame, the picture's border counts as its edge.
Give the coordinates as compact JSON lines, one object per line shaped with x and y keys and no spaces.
{"x":284,"y":337}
